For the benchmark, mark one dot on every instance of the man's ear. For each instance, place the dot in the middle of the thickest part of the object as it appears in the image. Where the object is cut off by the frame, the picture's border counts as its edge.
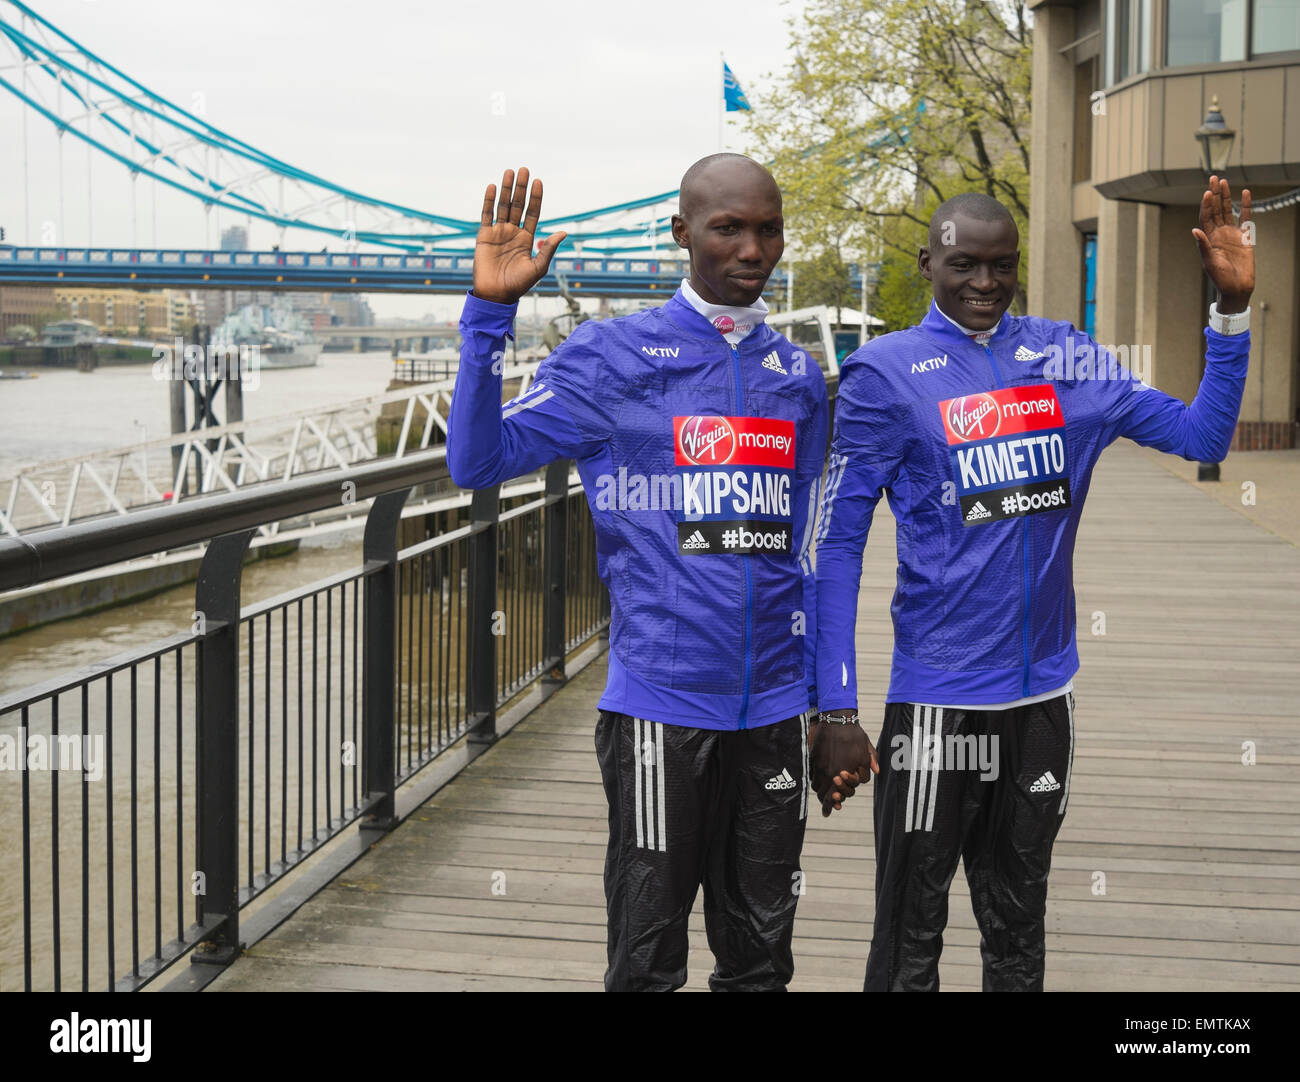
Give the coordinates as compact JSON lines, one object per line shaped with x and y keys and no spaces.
{"x":923,"y":263}
{"x":680,"y":233}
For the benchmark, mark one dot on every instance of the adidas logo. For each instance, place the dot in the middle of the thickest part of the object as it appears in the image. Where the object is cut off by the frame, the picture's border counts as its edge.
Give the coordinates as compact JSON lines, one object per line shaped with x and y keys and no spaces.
{"x":1045,"y":784}
{"x":978,"y":510}
{"x":773,"y":362}
{"x":1024,"y":353}
{"x":696,"y":541}
{"x":781,"y":781}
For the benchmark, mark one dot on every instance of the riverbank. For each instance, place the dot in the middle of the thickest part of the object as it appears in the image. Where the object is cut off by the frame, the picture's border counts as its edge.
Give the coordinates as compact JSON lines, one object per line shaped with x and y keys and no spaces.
{"x":108,"y":587}
{"x":65,"y":356}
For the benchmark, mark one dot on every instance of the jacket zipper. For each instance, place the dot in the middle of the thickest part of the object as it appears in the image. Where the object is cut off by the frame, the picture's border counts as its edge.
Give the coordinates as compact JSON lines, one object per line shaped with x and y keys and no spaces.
{"x":1025,"y":577}
{"x":744,"y":567}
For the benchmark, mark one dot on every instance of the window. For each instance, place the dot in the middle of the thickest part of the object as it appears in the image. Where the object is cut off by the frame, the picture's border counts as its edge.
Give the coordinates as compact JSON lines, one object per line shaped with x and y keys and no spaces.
{"x":1276,"y":26}
{"x":1217,"y":31}
{"x":1085,"y":82}
{"x":1122,"y":51}
{"x":1206,"y":31}
{"x":1128,"y":38}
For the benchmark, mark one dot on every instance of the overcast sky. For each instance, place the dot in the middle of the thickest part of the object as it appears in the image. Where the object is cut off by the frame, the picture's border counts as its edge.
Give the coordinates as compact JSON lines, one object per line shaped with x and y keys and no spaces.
{"x":606,"y":102}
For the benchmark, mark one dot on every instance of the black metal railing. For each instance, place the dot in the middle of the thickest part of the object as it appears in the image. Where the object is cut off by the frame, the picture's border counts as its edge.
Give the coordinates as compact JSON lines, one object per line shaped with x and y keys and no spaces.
{"x":424,"y":369}
{"x":191,"y":775}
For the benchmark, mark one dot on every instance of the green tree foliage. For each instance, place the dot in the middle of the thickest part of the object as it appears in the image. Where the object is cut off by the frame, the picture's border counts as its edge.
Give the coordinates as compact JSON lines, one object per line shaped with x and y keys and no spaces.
{"x":891,"y":107}
{"x":825,"y":279}
{"x":902,"y":296}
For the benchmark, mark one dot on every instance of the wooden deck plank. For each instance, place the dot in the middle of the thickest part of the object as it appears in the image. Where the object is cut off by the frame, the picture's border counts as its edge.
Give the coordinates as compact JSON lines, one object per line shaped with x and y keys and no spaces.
{"x":1201,"y":853}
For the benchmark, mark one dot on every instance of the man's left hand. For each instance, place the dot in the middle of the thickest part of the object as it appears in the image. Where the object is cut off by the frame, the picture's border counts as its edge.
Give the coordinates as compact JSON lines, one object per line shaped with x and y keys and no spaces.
{"x":1227,"y":248}
{"x":842,"y":758}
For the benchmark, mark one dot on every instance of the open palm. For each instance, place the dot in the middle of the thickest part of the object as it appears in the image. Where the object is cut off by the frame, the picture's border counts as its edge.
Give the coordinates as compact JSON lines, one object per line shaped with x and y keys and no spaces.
{"x":1227,"y":249}
{"x":504,"y":265}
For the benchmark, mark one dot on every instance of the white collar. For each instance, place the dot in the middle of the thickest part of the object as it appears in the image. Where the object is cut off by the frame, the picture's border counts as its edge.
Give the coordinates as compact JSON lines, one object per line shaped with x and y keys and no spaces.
{"x":742,"y":320}
{"x":979,"y":336}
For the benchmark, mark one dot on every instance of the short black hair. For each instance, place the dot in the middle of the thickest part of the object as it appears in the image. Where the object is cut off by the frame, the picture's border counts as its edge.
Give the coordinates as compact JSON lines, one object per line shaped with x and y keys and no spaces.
{"x":976,"y":205}
{"x":688,"y":195}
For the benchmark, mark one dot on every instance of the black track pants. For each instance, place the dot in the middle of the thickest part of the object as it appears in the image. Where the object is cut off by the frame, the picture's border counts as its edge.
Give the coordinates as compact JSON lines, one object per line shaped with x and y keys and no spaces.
{"x":929,"y":811}
{"x":690,"y":806}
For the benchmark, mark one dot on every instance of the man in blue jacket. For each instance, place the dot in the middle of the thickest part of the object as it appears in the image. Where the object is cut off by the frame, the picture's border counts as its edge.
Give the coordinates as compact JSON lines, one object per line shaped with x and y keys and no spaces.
{"x":700,"y":436}
{"x":984,"y":429}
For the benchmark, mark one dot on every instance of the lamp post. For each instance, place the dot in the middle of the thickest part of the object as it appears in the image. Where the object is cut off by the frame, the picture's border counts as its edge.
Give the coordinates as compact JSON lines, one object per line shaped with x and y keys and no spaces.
{"x":1216,"y":140}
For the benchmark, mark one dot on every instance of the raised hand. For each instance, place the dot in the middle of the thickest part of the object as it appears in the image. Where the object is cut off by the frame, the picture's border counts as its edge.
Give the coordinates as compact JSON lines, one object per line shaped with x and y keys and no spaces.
{"x":1227,"y":249}
{"x":504,"y":265}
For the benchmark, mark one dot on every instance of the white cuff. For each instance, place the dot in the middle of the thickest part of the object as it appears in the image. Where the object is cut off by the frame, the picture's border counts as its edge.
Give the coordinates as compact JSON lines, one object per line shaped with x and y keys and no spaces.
{"x":1238,"y":323}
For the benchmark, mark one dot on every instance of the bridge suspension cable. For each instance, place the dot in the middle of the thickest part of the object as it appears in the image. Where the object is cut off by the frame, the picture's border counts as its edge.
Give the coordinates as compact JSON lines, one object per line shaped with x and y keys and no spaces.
{"x":83,"y":95}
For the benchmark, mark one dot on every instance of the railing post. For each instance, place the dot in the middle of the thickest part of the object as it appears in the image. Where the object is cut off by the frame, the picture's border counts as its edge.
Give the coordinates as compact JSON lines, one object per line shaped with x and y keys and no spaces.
{"x":555,"y":549}
{"x":481,"y":664}
{"x":216,"y":599}
{"x":379,"y":659}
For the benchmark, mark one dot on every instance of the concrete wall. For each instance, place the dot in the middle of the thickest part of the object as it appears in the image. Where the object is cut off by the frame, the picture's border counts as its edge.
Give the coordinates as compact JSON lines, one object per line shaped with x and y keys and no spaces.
{"x":1055,"y":286}
{"x":1150,"y":293}
{"x":1176,"y":308}
{"x":1117,"y":250}
{"x":1275,"y":319}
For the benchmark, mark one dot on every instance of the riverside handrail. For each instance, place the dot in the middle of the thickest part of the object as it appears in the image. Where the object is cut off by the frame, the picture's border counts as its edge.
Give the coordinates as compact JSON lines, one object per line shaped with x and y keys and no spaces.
{"x":54,"y":552}
{"x":258,"y":734}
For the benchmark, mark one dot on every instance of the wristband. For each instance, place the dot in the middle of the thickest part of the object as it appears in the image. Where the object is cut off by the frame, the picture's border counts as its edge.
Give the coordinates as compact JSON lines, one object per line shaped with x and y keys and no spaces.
{"x":836,"y":719}
{"x":1237,"y":323}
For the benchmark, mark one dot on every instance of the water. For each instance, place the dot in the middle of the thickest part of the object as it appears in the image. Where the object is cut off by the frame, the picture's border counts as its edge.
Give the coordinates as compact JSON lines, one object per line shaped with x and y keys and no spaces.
{"x":299,"y":748}
{"x":66,"y":413}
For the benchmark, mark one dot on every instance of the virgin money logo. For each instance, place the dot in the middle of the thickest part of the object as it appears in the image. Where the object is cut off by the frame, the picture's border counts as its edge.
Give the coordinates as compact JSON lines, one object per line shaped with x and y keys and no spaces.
{"x":707,"y":441}
{"x":973,"y":416}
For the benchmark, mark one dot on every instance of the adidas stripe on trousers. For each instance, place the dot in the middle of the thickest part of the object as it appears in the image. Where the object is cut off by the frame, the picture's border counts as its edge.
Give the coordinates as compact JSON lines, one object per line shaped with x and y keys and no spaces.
{"x":929,"y":812}
{"x":691,"y":807}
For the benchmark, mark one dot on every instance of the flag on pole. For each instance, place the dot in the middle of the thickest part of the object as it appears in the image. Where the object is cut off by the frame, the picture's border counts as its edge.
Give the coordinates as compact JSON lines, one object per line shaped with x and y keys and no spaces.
{"x":731,"y":92}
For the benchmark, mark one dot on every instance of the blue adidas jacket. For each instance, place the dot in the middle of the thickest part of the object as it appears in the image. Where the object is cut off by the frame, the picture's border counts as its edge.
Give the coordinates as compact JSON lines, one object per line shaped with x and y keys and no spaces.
{"x":702,"y":464}
{"x":986,"y":453}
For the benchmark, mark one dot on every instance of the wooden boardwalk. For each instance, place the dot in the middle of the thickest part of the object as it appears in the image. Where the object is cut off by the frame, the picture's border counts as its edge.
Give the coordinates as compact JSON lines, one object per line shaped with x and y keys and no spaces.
{"x":1200,"y":853}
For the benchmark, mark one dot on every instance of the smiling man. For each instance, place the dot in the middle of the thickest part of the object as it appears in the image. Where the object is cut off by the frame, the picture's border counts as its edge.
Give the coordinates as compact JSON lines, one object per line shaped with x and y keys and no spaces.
{"x":700,"y":436}
{"x":983,"y":429}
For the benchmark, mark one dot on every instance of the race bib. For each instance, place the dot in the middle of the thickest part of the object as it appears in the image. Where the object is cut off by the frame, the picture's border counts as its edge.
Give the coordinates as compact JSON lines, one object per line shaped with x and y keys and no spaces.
{"x":736,"y":475}
{"x":1008,"y":452}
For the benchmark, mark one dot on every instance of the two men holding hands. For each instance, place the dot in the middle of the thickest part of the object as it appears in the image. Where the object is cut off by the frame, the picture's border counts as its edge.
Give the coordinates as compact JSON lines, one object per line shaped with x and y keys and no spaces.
{"x":705,"y":740}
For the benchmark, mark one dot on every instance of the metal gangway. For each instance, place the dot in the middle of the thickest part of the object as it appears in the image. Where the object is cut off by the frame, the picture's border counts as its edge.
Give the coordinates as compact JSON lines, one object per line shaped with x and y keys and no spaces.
{"x":230,"y":457}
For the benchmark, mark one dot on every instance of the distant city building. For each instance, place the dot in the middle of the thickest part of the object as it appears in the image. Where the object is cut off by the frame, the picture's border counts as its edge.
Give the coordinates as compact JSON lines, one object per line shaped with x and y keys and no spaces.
{"x":317,"y":311}
{"x":211,"y":306}
{"x":181,"y":316}
{"x":312,"y":308}
{"x":307,"y":302}
{"x":128,"y":313}
{"x":234,"y":239}
{"x":26,"y":306}
{"x":352,"y":310}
